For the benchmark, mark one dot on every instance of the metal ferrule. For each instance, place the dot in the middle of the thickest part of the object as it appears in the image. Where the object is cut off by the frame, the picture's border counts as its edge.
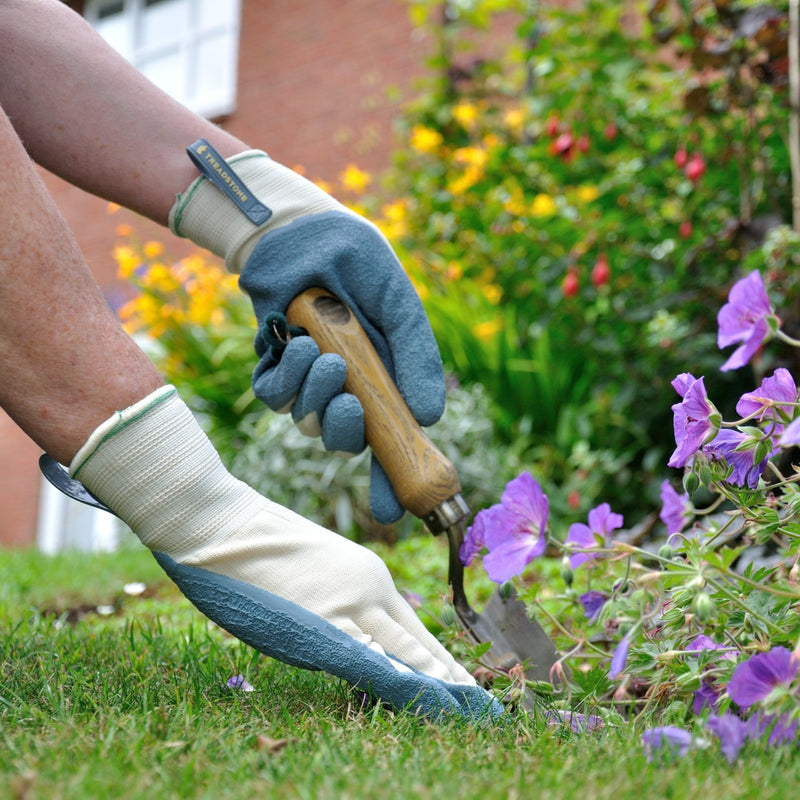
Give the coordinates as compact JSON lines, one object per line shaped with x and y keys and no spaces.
{"x":451,"y":512}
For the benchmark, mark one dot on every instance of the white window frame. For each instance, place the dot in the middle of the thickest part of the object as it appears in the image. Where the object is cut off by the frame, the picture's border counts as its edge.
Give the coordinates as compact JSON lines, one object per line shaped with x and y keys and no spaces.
{"x":210,"y":104}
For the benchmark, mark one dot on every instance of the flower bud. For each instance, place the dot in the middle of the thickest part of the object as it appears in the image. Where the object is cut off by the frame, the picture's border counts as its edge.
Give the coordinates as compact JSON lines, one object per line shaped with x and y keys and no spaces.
{"x":691,"y":483}
{"x":447,"y":616}
{"x":566,"y":571}
{"x":506,"y":590}
{"x":666,"y":552}
{"x":704,"y":607}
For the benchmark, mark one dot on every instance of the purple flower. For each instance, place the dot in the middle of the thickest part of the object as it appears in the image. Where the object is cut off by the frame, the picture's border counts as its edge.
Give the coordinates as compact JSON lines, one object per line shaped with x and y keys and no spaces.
{"x":791,"y":435}
{"x":593,"y":602}
{"x":744,"y":320}
{"x":705,"y":697}
{"x":579,"y":723}
{"x":674,"y":741}
{"x":620,"y":657}
{"x":475,"y":538}
{"x":238,"y":682}
{"x":754,"y":679}
{"x":676,"y":509}
{"x":695,"y":420}
{"x":513,"y":531}
{"x":601,"y":522}
{"x":731,"y":732}
{"x":726,"y":444}
{"x":782,"y":728}
{"x":771,"y":401}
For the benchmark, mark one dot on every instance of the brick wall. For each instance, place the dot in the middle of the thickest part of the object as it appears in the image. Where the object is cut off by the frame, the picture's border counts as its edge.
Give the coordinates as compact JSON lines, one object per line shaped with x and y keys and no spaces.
{"x":313,"y":80}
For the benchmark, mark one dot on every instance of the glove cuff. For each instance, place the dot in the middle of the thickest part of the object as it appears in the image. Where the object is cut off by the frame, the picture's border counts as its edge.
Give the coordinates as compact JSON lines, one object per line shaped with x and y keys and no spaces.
{"x":207,"y":216}
{"x":153,"y":466}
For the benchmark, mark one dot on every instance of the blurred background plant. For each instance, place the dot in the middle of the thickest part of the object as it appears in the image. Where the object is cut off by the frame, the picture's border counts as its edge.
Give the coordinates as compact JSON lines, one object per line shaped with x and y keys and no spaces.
{"x":572,"y":211}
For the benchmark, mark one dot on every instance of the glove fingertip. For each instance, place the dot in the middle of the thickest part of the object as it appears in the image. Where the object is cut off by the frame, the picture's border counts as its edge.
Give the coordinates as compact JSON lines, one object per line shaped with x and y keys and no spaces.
{"x":343,"y":425}
{"x":383,"y":502}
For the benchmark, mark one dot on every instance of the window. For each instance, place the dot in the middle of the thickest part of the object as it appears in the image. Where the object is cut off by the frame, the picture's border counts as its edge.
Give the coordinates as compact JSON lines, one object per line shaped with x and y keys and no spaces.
{"x":189,"y":48}
{"x":65,"y":524}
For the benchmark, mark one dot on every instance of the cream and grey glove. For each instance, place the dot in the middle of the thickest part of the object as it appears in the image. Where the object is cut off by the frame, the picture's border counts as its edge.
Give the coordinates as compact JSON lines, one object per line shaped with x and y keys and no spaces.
{"x":282,"y":584}
{"x":285,"y":235}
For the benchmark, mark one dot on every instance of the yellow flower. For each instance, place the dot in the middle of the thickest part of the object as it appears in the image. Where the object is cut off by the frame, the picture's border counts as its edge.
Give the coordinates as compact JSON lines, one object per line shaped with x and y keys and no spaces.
{"x":465,"y":114}
{"x":586,"y":194}
{"x":325,"y":186}
{"x":153,"y":249}
{"x":123,"y":229}
{"x":112,"y":208}
{"x":488,"y":329}
{"x":474,"y":156}
{"x":491,"y":140}
{"x":492,"y":292}
{"x":454,"y":271}
{"x":424,"y":139}
{"x":515,"y":205}
{"x":543,"y":206}
{"x":471,"y":176}
{"x":394,"y":219}
{"x":355,"y":179}
{"x":514,"y":119}
{"x":127,"y":260}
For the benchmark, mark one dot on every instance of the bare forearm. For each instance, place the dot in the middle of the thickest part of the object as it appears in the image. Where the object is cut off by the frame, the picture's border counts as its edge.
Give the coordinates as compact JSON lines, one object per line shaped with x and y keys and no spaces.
{"x":87,"y":115}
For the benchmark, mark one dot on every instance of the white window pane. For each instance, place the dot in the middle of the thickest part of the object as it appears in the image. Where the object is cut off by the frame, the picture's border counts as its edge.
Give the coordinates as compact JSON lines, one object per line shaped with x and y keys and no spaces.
{"x":163,"y":22}
{"x":168,"y":72}
{"x":214,"y":65}
{"x":115,"y":30}
{"x":216,"y":12}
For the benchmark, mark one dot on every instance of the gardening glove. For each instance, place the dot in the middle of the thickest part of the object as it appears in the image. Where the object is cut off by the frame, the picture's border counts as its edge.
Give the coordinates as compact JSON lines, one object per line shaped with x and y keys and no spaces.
{"x":298,"y":237}
{"x":278,"y":582}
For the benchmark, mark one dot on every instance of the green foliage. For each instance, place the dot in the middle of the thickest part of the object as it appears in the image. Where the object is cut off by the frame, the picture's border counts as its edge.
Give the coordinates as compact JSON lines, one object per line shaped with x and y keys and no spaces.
{"x":574,"y":210}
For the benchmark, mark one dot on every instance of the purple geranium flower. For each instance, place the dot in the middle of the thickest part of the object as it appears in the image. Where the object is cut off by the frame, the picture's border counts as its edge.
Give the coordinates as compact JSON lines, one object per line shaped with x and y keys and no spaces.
{"x":579,"y":723}
{"x":732,"y":733}
{"x":746,"y":472}
{"x":620,"y":657}
{"x":602,"y":520}
{"x":513,"y":531}
{"x":754,"y":679}
{"x":705,"y":697}
{"x":593,"y":602}
{"x":238,"y":682}
{"x":744,"y":319}
{"x":782,"y":728}
{"x":791,"y":435}
{"x":772,"y":400}
{"x":695,"y":420}
{"x":676,"y":509}
{"x":674,"y":741}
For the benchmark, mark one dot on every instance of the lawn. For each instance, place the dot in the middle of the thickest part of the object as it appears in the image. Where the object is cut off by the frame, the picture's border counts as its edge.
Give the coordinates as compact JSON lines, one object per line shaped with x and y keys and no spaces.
{"x":109,"y":694}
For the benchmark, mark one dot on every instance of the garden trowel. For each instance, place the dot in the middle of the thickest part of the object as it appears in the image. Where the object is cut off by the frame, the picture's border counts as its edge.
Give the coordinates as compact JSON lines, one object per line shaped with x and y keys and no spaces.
{"x":424,"y":480}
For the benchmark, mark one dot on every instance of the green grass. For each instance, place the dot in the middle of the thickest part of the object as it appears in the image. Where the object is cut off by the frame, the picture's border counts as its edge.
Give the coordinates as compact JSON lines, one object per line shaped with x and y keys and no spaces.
{"x":134,"y":705}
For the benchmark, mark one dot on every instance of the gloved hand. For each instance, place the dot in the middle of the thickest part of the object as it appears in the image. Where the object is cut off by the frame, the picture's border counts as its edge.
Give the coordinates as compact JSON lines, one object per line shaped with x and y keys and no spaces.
{"x":280,"y":583}
{"x":311,"y":240}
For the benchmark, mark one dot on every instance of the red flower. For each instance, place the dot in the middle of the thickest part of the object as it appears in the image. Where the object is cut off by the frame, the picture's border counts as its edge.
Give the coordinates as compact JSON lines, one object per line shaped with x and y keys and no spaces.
{"x":680,"y":158}
{"x":562,"y":146}
{"x":551,"y":126}
{"x":570,"y":283}
{"x":695,"y":167}
{"x":601,"y":271}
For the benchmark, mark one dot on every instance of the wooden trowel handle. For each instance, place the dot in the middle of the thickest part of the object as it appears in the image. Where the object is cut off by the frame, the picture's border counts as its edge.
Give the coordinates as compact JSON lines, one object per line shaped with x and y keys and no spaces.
{"x":421,"y":476}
